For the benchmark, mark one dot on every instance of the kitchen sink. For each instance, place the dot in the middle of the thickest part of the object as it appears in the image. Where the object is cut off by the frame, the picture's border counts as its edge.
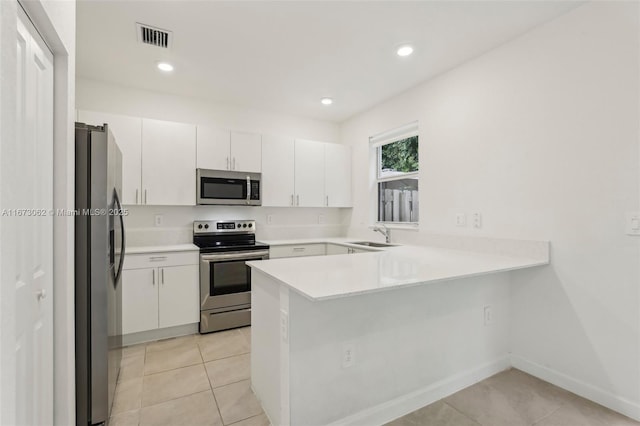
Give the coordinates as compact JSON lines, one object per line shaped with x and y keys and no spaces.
{"x":372,"y":244}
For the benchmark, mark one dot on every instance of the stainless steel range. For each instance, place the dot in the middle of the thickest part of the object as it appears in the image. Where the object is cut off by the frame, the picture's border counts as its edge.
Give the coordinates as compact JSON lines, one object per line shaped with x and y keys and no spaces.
{"x":225,"y":279}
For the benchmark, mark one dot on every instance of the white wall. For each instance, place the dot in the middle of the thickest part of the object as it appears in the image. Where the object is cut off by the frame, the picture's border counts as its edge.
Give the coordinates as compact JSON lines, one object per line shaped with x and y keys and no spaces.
{"x":177,"y":221}
{"x":55,"y":20}
{"x":541,"y":136}
{"x":99,"y":96}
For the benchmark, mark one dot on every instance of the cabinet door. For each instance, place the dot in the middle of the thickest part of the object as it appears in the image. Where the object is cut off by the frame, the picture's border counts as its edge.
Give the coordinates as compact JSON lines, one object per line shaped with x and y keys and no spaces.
{"x":168,"y":163}
{"x":298,"y":250}
{"x":213,"y":146}
{"x":309,"y":173}
{"x":139,"y":300}
{"x":337,"y":175}
{"x":179,"y":295}
{"x":337,"y":249}
{"x":246,"y":152}
{"x":128,"y":134}
{"x":277,"y":171}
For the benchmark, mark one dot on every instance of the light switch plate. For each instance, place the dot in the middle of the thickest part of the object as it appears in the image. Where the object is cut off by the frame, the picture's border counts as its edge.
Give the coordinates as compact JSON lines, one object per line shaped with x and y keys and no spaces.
{"x":632,"y":223}
{"x":461,"y":219}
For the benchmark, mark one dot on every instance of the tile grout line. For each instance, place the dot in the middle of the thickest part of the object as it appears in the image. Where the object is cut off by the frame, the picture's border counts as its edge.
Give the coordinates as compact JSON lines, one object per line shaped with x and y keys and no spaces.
{"x":244,"y":420}
{"x":535,"y":422}
{"x":210,"y":384}
{"x":457,"y":410}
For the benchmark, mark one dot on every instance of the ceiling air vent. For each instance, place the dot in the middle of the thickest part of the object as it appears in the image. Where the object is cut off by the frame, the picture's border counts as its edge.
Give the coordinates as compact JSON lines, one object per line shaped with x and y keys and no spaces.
{"x":154,"y":36}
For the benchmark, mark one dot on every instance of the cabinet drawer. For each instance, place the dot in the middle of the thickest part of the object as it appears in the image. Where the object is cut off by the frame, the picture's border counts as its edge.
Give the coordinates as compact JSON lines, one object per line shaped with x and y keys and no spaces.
{"x":297,"y":250}
{"x":161,"y":259}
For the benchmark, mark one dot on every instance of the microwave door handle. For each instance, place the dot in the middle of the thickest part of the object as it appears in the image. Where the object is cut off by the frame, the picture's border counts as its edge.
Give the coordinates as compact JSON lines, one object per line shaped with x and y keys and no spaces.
{"x":248,"y":189}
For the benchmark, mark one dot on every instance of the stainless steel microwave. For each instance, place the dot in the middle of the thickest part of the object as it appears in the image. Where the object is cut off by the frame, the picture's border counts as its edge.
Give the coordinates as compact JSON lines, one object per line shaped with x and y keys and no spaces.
{"x":228,"y":188}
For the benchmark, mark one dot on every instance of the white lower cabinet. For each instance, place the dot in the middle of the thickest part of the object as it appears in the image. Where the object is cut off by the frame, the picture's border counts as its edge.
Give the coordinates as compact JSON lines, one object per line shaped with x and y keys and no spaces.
{"x":158,"y":292}
{"x":340,"y":249}
{"x":311,"y":249}
{"x":337,"y":249}
{"x":139,"y":300}
{"x":178,"y":300}
{"x":298,"y":250}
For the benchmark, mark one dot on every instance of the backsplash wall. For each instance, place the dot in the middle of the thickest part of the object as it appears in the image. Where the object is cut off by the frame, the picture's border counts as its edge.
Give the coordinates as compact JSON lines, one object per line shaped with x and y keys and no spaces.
{"x":272,"y":223}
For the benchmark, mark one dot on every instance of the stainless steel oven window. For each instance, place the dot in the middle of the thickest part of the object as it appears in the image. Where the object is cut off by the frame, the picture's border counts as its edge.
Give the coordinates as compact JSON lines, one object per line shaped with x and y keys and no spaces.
{"x":229,"y":277}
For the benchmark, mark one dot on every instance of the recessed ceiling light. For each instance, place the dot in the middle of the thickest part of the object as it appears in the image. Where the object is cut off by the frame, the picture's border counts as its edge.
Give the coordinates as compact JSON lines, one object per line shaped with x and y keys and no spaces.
{"x":405,"y":50}
{"x":165,"y":66}
{"x":326,"y":101}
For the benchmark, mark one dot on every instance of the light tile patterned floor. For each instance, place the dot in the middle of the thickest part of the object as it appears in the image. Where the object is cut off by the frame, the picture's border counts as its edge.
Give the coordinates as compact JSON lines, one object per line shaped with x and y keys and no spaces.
{"x":195,"y":380}
{"x":202,"y":380}
{"x":513,"y":398}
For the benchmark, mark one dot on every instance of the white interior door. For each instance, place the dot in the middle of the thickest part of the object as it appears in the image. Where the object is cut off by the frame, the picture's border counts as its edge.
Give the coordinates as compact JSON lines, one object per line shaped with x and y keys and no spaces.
{"x":27,"y":229}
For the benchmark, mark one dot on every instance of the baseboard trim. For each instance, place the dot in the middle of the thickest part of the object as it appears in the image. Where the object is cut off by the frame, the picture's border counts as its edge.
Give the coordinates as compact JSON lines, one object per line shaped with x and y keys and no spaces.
{"x":159,"y":333}
{"x":585,"y":390}
{"x":405,"y":404}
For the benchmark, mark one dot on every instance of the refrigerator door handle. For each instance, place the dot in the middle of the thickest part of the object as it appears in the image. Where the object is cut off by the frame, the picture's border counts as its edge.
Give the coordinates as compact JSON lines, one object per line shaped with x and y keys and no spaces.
{"x":122,"y":242}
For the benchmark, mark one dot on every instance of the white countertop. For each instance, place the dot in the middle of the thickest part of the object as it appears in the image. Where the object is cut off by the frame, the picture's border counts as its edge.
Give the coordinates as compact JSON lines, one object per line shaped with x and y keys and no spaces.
{"x":160,"y":249}
{"x":328,"y":277}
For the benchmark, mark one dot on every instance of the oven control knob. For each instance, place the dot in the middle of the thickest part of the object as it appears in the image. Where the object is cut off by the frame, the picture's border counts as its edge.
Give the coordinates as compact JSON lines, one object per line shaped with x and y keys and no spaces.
{"x":244,"y":225}
{"x":200,"y":226}
{"x":206,"y":226}
{"x":251,"y":225}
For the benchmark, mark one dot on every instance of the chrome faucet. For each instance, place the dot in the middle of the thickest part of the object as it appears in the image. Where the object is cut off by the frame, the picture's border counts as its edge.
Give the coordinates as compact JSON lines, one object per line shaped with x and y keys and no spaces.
{"x":384,"y":231}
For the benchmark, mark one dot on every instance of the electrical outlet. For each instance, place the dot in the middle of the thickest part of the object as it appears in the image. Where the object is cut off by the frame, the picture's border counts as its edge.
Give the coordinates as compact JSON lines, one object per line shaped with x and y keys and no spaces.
{"x":488,"y":315}
{"x":461,"y":219}
{"x":321,"y":219}
{"x":348,"y":355}
{"x":632,"y":223}
{"x":269,"y":219}
{"x":284,"y":325}
{"x":158,"y":220}
{"x":477,"y":220}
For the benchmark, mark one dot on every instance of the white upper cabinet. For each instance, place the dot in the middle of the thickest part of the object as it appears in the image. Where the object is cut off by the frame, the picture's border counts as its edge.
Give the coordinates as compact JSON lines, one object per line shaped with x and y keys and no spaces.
{"x":213,"y":148}
{"x":305,"y":173}
{"x":337,"y":175}
{"x":128,"y":134}
{"x":168,"y":163}
{"x":278,"y":171}
{"x":309,"y":173}
{"x":220,"y":149}
{"x":246,"y":152}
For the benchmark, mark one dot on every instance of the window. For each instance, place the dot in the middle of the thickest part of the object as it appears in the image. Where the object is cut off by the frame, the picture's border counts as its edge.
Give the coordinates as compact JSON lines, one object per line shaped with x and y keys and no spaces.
{"x":397,"y":169}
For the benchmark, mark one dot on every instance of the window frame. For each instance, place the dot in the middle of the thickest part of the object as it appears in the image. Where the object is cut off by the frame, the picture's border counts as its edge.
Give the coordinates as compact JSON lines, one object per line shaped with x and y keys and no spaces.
{"x":376,"y":143}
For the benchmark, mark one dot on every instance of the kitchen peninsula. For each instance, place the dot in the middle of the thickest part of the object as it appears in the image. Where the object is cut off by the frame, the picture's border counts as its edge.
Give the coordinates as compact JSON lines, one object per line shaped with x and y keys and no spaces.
{"x":364,"y":338}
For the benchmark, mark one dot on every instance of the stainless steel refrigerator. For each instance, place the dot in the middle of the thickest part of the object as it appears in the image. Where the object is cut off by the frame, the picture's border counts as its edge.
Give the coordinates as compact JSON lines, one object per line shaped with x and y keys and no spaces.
{"x":99,"y":256}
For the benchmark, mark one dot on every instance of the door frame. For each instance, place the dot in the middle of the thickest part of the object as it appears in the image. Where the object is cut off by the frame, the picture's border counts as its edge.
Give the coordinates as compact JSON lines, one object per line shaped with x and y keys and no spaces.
{"x":51,"y":22}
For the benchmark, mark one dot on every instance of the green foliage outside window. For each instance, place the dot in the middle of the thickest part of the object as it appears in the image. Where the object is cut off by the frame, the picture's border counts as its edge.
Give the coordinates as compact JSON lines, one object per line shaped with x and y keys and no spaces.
{"x":400,"y":156}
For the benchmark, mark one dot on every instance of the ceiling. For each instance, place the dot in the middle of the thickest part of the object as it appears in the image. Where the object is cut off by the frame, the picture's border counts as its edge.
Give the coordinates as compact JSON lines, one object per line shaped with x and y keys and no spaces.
{"x":285,"y":56}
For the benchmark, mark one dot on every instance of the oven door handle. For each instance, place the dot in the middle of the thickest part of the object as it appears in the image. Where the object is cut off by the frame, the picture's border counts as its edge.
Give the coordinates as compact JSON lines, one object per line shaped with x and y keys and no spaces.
{"x":233,"y":256}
